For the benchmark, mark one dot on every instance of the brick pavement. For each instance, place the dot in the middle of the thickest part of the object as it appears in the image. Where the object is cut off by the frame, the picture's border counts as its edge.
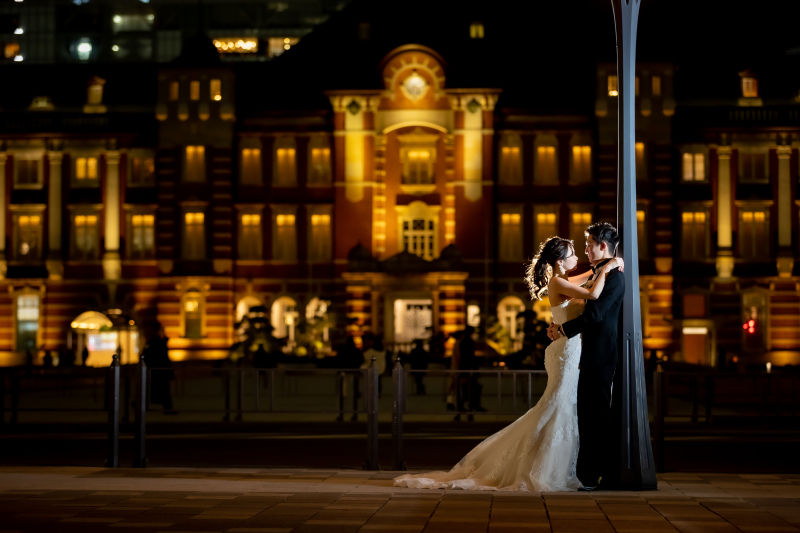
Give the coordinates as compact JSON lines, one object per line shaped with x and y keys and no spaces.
{"x":67,"y":499}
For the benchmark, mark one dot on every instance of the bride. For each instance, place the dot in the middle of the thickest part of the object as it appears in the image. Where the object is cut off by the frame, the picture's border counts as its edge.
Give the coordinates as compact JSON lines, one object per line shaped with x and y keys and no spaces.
{"x":539,"y":451}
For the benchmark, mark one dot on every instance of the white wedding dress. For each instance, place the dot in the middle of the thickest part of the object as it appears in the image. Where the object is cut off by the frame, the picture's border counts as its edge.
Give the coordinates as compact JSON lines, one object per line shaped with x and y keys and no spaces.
{"x":539,"y":451}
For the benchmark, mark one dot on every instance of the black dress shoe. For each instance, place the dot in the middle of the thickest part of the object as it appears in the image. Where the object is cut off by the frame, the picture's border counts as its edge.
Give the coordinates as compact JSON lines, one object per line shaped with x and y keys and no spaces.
{"x":593,"y":485}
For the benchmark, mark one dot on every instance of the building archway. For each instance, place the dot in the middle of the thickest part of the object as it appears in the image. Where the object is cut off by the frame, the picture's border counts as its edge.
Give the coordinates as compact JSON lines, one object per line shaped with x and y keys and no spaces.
{"x":244,"y":306}
{"x":507,"y":311}
{"x":283,"y":318}
{"x":101,"y":335}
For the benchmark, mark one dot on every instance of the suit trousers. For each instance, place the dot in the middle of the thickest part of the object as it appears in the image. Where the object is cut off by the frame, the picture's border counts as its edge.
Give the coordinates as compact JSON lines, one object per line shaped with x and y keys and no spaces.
{"x":594,"y":422}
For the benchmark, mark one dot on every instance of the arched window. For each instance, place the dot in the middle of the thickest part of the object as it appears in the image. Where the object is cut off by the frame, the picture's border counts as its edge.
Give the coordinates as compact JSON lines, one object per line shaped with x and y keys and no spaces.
{"x":507,"y":311}
{"x":193,"y":303}
{"x":284,"y":318}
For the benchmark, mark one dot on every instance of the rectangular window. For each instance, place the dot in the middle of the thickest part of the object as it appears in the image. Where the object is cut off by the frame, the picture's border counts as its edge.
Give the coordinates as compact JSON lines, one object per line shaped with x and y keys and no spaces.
{"x":215,"y":90}
{"x":749,"y":87}
{"x":419,"y":167}
{"x":694,"y":166}
{"x":641,"y":166}
{"x":656,"y":85}
{"x":694,"y":235}
{"x":195,"y":164}
{"x":612,"y":86}
{"x":510,"y":165}
{"x":581,"y":164}
{"x":641,"y":231}
{"x":86,"y":240}
{"x":419,"y":237}
{"x":194,"y":236}
{"x":27,"y":322}
{"x":320,"y":166}
{"x":193,"y":316}
{"x":578,"y":224}
{"x":85,"y":170}
{"x":636,"y":85}
{"x":251,"y":166}
{"x":174,"y":88}
{"x":285,"y":166}
{"x":546,"y":226}
{"x":194,"y":90}
{"x":284,"y":243}
{"x":29,"y":237}
{"x":546,"y":165}
{"x":142,"y":236}
{"x":28,"y":172}
{"x":510,"y":237}
{"x":753,"y":166}
{"x":754,"y":237}
{"x":320,"y":245}
{"x":250,"y":241}
{"x":143,"y":172}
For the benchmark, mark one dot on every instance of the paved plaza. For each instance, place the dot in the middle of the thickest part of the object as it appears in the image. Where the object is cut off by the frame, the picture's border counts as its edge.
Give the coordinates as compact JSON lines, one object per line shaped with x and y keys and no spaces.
{"x":69,"y":499}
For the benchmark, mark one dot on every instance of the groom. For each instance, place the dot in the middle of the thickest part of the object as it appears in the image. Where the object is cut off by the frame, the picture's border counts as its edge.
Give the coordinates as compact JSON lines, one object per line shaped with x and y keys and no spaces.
{"x":599,"y":324}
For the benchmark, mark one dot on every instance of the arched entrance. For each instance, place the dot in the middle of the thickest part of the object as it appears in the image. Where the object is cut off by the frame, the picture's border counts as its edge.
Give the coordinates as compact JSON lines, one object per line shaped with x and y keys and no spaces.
{"x":284,"y":318}
{"x":101,"y":334}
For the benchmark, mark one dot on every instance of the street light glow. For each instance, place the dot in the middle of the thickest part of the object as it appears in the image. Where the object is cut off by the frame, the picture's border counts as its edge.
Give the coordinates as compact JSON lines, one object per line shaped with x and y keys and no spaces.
{"x":18,"y":58}
{"x":115,"y":48}
{"x":18,"y":31}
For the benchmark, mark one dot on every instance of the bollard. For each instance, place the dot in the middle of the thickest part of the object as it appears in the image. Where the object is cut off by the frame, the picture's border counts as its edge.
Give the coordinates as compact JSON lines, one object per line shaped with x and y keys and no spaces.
{"x":139,"y":459}
{"x":372,"y":416}
{"x":112,"y":460}
{"x":658,"y":418}
{"x":398,"y":407}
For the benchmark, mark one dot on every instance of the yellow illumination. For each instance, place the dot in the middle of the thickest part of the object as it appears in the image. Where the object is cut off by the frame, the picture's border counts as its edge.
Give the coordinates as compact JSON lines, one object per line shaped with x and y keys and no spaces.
{"x":191,"y":305}
{"x":749,"y":87}
{"x":236,"y":45}
{"x":194,"y":218}
{"x":687,"y":218}
{"x":476,"y":30}
{"x":215,"y":89}
{"x":285,"y":220}
{"x":656,"y":88}
{"x":700,"y":217}
{"x":546,"y":218}
{"x":173,"y":90}
{"x":325,"y":220}
{"x":580,"y":218}
{"x":510,"y":218}
{"x":612,"y":86}
{"x":194,"y":90}
{"x":251,"y":220}
{"x":759,"y":216}
{"x":86,"y":168}
{"x":640,"y":216}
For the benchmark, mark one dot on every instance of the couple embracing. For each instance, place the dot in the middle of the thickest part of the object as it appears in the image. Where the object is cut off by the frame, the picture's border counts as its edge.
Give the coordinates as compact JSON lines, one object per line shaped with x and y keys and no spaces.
{"x":563,"y":442}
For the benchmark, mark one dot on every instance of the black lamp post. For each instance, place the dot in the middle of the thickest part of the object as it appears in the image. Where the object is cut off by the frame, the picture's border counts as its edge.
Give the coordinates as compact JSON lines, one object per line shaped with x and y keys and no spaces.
{"x":629,"y":399}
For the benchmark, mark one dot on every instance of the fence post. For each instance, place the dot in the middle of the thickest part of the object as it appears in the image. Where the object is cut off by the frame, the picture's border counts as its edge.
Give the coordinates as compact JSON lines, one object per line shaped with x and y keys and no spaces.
{"x":658,"y":418}
{"x":372,"y":416}
{"x":126,"y":403}
{"x":709,"y":397}
{"x":398,"y":407}
{"x":240,"y":399}
{"x":139,"y":459}
{"x":112,"y":461}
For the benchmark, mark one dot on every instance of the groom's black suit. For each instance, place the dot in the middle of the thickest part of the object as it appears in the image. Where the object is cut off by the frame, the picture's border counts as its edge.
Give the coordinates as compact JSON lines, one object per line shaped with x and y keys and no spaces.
{"x":599,"y":325}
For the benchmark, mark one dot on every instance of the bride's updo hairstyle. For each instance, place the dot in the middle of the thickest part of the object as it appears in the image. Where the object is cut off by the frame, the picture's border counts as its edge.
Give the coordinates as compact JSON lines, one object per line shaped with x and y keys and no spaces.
{"x":539,"y":272}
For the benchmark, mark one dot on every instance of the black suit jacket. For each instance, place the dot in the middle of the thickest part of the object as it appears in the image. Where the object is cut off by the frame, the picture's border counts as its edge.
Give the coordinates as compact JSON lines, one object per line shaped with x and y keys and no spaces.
{"x":599,"y":324}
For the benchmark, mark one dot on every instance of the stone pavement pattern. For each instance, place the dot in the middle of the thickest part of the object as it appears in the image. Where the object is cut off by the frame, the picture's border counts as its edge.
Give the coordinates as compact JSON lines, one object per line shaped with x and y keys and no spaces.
{"x":65,"y":499}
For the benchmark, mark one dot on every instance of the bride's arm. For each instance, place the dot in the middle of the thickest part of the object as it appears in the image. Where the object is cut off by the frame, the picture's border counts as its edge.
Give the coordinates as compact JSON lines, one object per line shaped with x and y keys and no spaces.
{"x":580,"y":279}
{"x":565,"y":288}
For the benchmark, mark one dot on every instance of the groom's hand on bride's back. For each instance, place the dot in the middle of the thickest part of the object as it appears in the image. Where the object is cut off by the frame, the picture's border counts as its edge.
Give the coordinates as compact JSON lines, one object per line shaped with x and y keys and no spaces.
{"x":552,"y":331}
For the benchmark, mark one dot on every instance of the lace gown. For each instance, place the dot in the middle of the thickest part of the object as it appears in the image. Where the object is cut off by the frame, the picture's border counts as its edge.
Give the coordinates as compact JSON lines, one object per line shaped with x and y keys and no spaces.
{"x":537,"y":452}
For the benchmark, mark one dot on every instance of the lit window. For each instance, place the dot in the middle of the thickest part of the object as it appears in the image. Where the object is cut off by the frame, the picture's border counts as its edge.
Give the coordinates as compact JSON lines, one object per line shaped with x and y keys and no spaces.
{"x":95,"y":92}
{"x":752,"y":166}
{"x":29,"y":237}
{"x":546,"y":226}
{"x":143,"y":171}
{"x":694,"y":235}
{"x":193,"y":315}
{"x":749,"y":87}
{"x":27,"y":322}
{"x":320,"y":245}
{"x":251,"y":166}
{"x":578,"y":224}
{"x":694,"y":166}
{"x":284,"y":244}
{"x":194,"y":237}
{"x":215,"y":90}
{"x":123,"y":23}
{"x":754,"y":235}
{"x":236,"y":45}
{"x":511,"y":160}
{"x":86,"y":237}
{"x":320,"y":165}
{"x":85,"y":169}
{"x":641,"y":231}
{"x":641,"y":164}
{"x":174,"y":90}
{"x":656,"y":85}
{"x":612,"y":86}
{"x":195,"y":164}
{"x":27,"y":172}
{"x":581,"y":164}
{"x":11,"y":50}
{"x":546,"y":166}
{"x":279,"y":45}
{"x":250,"y":241}
{"x":476,"y":30}
{"x":419,"y":236}
{"x":142,"y":236}
{"x":418,"y":167}
{"x":636,"y":86}
{"x":284,"y":169}
{"x":194,"y":90}
{"x":84,"y":50}
{"x":473,"y":315}
{"x":510,"y":237}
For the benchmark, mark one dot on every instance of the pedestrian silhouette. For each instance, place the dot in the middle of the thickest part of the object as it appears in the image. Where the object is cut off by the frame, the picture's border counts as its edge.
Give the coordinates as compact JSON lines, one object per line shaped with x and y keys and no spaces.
{"x":418,"y":360}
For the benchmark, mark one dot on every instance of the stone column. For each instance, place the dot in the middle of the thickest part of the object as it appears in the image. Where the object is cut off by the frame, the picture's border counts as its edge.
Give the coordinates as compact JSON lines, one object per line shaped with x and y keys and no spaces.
{"x":55,"y":259}
{"x":785,"y":255}
{"x":112,"y":266}
{"x":724,"y":220}
{"x":3,"y":264}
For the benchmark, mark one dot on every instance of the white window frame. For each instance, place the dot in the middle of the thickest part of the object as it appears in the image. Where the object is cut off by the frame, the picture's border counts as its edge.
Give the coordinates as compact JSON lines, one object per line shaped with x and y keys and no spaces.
{"x":26,"y":292}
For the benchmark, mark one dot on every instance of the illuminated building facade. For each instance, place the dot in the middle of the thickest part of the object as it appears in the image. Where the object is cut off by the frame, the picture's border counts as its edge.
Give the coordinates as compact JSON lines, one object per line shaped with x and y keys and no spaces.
{"x":397,"y":181}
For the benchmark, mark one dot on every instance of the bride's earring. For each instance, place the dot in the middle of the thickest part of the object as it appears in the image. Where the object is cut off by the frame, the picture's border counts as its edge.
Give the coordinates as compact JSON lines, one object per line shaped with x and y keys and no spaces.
{"x":560,"y":268}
